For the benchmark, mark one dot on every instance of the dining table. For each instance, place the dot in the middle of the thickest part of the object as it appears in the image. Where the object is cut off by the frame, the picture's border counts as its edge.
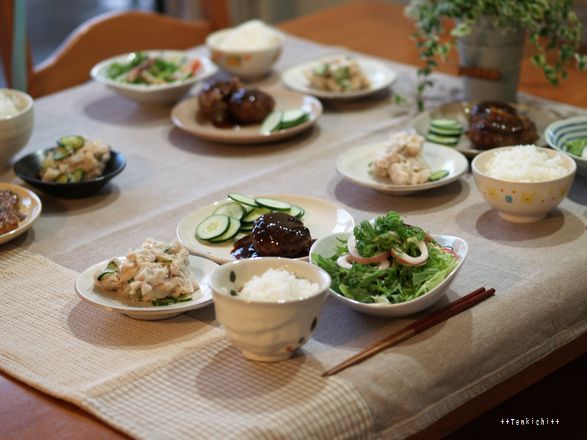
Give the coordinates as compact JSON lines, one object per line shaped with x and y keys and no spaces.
{"x":70,"y":370}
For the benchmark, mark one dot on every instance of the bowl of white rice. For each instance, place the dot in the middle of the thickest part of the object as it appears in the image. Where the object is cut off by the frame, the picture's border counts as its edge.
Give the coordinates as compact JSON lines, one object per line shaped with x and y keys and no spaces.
{"x":523,"y":183}
{"x":249,"y":50}
{"x":269,"y":306}
{"x":16,"y":123}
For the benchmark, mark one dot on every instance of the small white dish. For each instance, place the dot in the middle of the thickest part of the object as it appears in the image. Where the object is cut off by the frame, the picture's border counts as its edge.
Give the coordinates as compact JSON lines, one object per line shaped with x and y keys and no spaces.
{"x":267,"y":331}
{"x":200,"y":269}
{"x":30,"y":207}
{"x":321,"y":218}
{"x":326,"y":247}
{"x":154,"y":93}
{"x":353,"y":165}
{"x":460,"y":112}
{"x":185,"y":116}
{"x":380,"y":76}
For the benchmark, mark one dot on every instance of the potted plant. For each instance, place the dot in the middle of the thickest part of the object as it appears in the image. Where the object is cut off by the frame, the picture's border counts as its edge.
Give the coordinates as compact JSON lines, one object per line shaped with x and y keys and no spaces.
{"x":490,"y":36}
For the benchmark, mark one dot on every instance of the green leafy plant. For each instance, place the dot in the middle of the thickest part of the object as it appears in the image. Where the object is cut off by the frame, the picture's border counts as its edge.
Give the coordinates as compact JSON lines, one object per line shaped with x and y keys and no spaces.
{"x":552,"y":26}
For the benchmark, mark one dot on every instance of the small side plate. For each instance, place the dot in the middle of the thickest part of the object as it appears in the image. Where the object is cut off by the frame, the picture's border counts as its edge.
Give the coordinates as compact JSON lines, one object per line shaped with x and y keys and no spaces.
{"x":30,"y":207}
{"x":200,"y":268}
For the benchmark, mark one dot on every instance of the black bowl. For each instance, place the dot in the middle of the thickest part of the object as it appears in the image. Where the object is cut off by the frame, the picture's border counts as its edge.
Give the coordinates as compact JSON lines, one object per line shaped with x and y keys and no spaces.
{"x":28,"y":167}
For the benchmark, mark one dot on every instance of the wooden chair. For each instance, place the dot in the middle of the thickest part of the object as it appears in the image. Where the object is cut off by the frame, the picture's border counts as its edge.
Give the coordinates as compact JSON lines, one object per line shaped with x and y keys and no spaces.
{"x":105,"y":36}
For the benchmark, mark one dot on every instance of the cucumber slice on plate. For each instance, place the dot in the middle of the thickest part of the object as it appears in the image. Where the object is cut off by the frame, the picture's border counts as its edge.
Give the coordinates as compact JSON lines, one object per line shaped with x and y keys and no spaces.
{"x":231,"y":209}
{"x":76,"y":176}
{"x":443,"y":140}
{"x":272,"y":122}
{"x":437,"y":175}
{"x":213,"y":227}
{"x":293,"y":117}
{"x":445,"y":131}
{"x":242,"y":199}
{"x":73,"y":142}
{"x":273,"y":204}
{"x":233,"y":229}
{"x":297,"y":211}
{"x":246,"y":227}
{"x":446,"y":124}
{"x":255,"y":214}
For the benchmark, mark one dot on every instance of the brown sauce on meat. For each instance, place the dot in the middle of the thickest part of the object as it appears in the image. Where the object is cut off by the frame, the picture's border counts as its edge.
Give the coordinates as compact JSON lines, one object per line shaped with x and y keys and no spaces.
{"x":276,"y":234}
{"x":10,"y":215}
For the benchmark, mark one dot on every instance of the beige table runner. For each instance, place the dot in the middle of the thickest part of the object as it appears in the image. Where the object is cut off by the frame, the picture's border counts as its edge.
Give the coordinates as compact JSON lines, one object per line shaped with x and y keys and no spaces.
{"x":540,"y":303}
{"x":175,"y":379}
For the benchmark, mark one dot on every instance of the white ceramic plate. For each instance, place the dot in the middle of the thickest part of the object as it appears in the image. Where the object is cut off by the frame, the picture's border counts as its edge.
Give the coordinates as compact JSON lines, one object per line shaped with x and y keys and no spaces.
{"x":326,"y":247}
{"x":321,"y":218}
{"x":185,"y":116}
{"x":30,"y":207}
{"x":460,"y":111}
{"x":380,"y":77}
{"x":200,"y":268}
{"x":154,"y":93}
{"x":353,"y":165}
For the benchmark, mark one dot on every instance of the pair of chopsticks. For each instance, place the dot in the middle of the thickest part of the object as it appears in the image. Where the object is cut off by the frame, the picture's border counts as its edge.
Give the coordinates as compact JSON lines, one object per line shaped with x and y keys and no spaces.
{"x":424,"y":323}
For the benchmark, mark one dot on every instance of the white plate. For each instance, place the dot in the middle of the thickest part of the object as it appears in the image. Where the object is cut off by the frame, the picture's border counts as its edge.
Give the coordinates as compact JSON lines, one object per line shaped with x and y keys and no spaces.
{"x":185,"y":116}
{"x":154,"y":93}
{"x":30,"y":206}
{"x":460,"y":111}
{"x":353,"y":165}
{"x":200,"y":269}
{"x":321,"y":218}
{"x":327,"y":247}
{"x":380,"y":77}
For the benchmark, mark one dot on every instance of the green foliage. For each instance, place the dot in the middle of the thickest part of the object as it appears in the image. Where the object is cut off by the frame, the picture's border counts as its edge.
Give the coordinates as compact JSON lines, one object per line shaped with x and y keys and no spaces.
{"x":552,"y":27}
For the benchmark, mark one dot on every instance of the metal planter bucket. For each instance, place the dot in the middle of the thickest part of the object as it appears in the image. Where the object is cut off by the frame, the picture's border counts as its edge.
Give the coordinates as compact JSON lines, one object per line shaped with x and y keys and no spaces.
{"x":489,"y":48}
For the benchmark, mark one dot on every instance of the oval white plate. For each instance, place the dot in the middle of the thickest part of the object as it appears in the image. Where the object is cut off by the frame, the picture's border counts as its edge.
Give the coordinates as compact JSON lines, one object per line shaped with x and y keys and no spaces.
{"x":321,"y":218}
{"x":380,"y":77}
{"x":327,"y":247}
{"x":460,"y":111}
{"x":200,"y":269}
{"x":154,"y":93}
{"x":353,"y":165}
{"x":30,"y":206}
{"x":184,"y":116}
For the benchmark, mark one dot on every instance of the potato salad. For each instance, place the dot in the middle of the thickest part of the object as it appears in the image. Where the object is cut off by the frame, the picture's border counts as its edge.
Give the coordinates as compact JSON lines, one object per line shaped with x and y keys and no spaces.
{"x":157,"y":272}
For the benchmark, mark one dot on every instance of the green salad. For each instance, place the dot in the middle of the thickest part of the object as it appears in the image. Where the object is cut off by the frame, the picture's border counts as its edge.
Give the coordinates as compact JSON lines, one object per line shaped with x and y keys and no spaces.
{"x":141,"y":68}
{"x":387,"y":261}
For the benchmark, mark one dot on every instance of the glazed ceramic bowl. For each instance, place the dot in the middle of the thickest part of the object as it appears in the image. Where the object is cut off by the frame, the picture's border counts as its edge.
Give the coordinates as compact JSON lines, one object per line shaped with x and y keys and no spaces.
{"x":559,"y":133}
{"x":29,"y":166}
{"x":266,"y":331}
{"x":15,"y":130}
{"x":154,"y":93}
{"x":522,"y":202}
{"x":327,"y":247}
{"x":247,"y":64}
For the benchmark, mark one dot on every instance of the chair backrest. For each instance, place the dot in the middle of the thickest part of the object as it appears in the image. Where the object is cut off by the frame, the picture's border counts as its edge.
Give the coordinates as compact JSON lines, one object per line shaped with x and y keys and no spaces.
{"x":105,"y":36}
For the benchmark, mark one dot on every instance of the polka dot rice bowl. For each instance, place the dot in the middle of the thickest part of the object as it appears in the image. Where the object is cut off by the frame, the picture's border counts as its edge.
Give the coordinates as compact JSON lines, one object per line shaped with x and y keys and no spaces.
{"x":262,"y":330}
{"x":522,"y":202}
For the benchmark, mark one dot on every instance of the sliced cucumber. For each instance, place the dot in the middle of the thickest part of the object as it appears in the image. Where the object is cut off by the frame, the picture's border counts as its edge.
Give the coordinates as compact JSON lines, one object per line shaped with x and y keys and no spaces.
{"x":73,"y":142}
{"x":437,"y":175}
{"x":248,"y":208}
{"x":272,"y":122}
{"x":293,"y":117}
{"x":246,"y":227}
{"x":242,"y":199}
{"x":61,"y":153}
{"x":446,"y":124}
{"x":445,"y":131}
{"x":110,"y":268}
{"x":443,"y":140}
{"x":297,"y":211}
{"x":255,"y":214}
{"x":231,"y":209}
{"x":273,"y":204}
{"x":183,"y":298}
{"x":76,"y":176}
{"x":164,"y":301}
{"x":232,"y":230}
{"x":213,"y":227}
{"x":62,"y":178}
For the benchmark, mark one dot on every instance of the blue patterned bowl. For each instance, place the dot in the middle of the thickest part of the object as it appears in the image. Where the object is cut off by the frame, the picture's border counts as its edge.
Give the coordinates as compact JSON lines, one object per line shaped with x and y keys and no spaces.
{"x":559,"y":133}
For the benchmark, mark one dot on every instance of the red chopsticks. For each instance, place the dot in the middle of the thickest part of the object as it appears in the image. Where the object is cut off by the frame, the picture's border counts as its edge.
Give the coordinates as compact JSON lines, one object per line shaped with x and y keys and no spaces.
{"x":435,"y":317}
